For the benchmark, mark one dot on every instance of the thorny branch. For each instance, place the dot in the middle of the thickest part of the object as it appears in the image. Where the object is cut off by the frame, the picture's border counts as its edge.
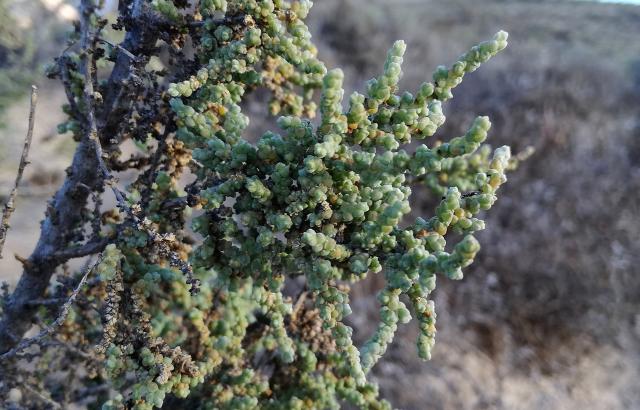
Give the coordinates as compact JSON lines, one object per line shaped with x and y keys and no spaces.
{"x":10,"y":206}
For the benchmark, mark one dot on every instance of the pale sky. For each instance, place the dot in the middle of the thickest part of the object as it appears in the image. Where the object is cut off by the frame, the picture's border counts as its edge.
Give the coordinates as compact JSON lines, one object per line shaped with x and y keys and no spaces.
{"x":621,"y":1}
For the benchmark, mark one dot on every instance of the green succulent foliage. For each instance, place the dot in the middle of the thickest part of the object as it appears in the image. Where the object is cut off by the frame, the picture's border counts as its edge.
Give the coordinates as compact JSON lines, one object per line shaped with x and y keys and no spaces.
{"x":326,"y":201}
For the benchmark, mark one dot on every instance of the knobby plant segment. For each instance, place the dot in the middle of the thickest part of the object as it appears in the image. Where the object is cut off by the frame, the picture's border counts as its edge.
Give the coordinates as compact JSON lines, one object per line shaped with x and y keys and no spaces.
{"x":232,"y":291}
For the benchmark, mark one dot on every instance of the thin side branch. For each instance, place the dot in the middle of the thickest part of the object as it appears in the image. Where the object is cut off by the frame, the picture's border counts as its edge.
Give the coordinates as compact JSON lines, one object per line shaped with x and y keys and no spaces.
{"x":66,"y":82}
{"x":90,"y":248}
{"x":9,"y":207}
{"x":64,"y":312}
{"x":49,"y":401}
{"x":119,"y":47}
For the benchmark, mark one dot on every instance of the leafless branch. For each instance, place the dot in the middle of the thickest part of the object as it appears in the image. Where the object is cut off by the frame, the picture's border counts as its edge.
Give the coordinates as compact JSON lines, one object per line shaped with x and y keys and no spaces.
{"x":47,"y":302}
{"x":90,"y":248}
{"x":47,"y":331}
{"x":119,"y":47}
{"x":42,"y":397}
{"x":10,"y":206}
{"x":66,"y":82}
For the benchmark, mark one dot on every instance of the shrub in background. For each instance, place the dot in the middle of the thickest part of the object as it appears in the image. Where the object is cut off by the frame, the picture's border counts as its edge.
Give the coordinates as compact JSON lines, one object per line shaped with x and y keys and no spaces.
{"x":16,"y":51}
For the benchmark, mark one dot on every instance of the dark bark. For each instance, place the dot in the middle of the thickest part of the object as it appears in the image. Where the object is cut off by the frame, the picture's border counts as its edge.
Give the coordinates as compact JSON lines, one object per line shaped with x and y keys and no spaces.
{"x":137,"y":42}
{"x":64,"y":213}
{"x":62,"y":217}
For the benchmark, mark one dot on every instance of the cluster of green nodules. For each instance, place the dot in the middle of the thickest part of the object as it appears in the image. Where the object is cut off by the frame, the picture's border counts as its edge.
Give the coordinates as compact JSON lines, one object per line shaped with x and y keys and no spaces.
{"x":327,"y":202}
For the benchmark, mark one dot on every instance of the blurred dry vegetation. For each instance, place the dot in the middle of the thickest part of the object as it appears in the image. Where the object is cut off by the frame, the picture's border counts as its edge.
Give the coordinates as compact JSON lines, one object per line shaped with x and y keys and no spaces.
{"x":548,"y":316}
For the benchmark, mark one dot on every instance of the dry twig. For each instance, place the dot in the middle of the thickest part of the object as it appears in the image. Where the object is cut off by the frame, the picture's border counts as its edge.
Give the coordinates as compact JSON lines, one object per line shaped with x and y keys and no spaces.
{"x":38,"y":394}
{"x":9,"y":206}
{"x":64,"y":311}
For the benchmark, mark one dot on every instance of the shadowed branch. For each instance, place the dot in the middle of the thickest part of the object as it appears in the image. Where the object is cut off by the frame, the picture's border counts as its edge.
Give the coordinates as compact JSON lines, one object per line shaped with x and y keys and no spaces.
{"x":9,"y":207}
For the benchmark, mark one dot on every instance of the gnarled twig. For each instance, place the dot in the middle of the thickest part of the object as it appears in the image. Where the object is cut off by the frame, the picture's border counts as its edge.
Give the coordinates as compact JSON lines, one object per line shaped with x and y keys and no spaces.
{"x":9,"y":207}
{"x":47,"y":331}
